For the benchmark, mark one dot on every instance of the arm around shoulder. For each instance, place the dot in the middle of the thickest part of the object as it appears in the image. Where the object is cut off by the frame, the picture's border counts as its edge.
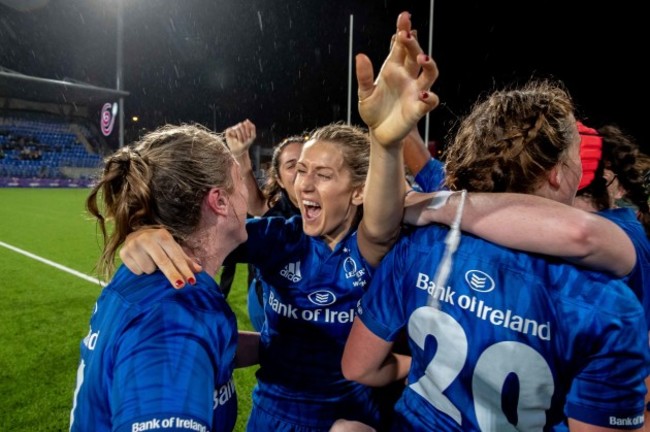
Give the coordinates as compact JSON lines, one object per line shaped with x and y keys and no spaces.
{"x":535,"y":224}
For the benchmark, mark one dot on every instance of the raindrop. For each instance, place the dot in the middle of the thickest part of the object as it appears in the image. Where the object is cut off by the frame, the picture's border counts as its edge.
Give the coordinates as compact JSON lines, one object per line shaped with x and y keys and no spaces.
{"x":178,"y":75}
{"x":83,"y":21}
{"x":259,"y":19}
{"x":171,"y":23}
{"x":259,"y":61}
{"x":272,"y":86}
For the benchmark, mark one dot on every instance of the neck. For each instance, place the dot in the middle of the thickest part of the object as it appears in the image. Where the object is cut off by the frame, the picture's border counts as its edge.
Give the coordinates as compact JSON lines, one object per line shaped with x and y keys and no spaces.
{"x":584,"y":203}
{"x":204,"y":248}
{"x":350,"y":223}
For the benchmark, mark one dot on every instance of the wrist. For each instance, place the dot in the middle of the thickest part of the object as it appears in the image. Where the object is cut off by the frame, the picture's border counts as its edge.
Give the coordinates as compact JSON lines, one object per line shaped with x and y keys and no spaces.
{"x":383,"y":142}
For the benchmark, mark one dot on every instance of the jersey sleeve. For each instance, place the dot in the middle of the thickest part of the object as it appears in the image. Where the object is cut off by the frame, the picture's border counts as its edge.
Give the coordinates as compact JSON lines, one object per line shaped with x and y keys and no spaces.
{"x":610,"y":390}
{"x":380,"y":308}
{"x":431,"y":177}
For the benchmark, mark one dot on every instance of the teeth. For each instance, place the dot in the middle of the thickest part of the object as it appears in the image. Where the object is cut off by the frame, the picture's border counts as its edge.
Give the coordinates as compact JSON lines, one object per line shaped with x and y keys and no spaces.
{"x":310,"y":203}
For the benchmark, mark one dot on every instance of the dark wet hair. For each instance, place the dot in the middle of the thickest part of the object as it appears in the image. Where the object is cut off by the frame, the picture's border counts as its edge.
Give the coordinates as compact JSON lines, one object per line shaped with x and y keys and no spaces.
{"x":620,"y":155}
{"x":272,"y":189}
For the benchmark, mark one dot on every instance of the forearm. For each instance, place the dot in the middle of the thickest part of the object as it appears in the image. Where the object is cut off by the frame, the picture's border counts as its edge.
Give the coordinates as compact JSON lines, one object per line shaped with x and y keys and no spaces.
{"x":394,"y":368}
{"x":257,"y":205}
{"x":539,"y":225}
{"x":383,"y":201}
{"x":416,"y":154}
{"x":247,"y":349}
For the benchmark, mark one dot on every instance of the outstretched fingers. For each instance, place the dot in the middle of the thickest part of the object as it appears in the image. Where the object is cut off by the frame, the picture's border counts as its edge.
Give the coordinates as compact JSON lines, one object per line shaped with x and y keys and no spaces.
{"x":403,"y":31}
{"x":429,"y":101}
{"x":404,"y":21}
{"x":410,"y":63}
{"x":429,"y":72}
{"x":365,"y":76}
{"x":399,"y":50}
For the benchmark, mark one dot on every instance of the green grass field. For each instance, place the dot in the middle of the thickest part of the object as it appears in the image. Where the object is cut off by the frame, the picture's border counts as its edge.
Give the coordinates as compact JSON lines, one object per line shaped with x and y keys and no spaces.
{"x":44,"y":311}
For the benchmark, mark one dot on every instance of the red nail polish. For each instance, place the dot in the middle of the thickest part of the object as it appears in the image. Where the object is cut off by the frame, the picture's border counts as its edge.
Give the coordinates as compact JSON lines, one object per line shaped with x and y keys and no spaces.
{"x":179,"y":283}
{"x":408,"y":35}
{"x":191,"y":280}
{"x":425,"y":95}
{"x":426,"y":58}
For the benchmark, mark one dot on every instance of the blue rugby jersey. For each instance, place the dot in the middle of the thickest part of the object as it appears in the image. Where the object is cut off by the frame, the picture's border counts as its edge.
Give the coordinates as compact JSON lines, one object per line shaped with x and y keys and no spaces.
{"x":431,"y":177}
{"x":282,"y":208}
{"x":310,"y":302}
{"x":639,"y":278}
{"x":156,"y":358}
{"x":517,"y":340}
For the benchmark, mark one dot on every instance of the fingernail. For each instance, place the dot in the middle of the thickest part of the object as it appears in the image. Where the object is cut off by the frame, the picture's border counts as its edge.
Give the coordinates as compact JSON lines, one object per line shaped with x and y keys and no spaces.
{"x":425,"y":95}
{"x":191,"y":280}
{"x":408,"y":35}
{"x":179,"y":283}
{"x":426,"y":58}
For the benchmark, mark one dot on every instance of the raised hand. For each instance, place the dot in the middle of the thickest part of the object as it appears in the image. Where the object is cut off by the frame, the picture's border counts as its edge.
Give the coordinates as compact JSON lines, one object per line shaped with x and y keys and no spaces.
{"x":240,"y":137}
{"x":392,"y":104}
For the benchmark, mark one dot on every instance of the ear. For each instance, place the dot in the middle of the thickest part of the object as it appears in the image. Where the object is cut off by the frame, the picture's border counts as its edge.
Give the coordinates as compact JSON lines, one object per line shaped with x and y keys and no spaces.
{"x":357,"y":196}
{"x":555,"y":177}
{"x":620,"y":191}
{"x":279,"y":180}
{"x":217,"y":201}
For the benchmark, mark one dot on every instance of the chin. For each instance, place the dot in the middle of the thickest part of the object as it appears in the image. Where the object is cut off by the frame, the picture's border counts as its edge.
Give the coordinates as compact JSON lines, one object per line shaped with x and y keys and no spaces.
{"x":310,"y":229}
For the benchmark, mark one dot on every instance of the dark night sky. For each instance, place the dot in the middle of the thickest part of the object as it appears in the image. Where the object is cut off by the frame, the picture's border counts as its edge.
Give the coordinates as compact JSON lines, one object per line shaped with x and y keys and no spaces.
{"x":284,"y":64}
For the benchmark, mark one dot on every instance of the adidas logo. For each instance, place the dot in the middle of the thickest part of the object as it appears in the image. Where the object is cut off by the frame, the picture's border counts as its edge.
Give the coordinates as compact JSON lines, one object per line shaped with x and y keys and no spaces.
{"x":292,"y":272}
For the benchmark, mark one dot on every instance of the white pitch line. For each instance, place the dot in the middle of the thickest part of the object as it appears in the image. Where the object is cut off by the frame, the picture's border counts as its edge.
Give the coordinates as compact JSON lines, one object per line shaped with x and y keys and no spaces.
{"x":53,"y":264}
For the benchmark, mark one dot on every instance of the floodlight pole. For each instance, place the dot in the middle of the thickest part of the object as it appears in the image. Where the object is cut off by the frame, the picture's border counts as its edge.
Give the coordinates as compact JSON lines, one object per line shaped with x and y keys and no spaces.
{"x":350,"y":71}
{"x":118,"y":74}
{"x":426,"y":120}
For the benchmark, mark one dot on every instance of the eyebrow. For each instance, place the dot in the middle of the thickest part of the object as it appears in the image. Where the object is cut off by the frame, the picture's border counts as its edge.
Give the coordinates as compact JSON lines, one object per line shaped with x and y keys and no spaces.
{"x":319,"y":167}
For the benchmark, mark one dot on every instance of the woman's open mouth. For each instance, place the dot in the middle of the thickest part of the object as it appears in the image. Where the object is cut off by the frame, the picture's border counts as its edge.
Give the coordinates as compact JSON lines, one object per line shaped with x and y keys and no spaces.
{"x":311,"y":209}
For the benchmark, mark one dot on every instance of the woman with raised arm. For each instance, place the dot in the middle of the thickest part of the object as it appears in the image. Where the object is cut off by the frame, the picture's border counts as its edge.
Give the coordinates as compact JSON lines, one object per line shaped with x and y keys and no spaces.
{"x":319,"y":265}
{"x":277,"y":198}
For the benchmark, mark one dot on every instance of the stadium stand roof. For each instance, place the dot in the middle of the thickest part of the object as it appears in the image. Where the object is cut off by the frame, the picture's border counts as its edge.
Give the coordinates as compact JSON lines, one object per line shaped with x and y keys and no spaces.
{"x":19,"y":86}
